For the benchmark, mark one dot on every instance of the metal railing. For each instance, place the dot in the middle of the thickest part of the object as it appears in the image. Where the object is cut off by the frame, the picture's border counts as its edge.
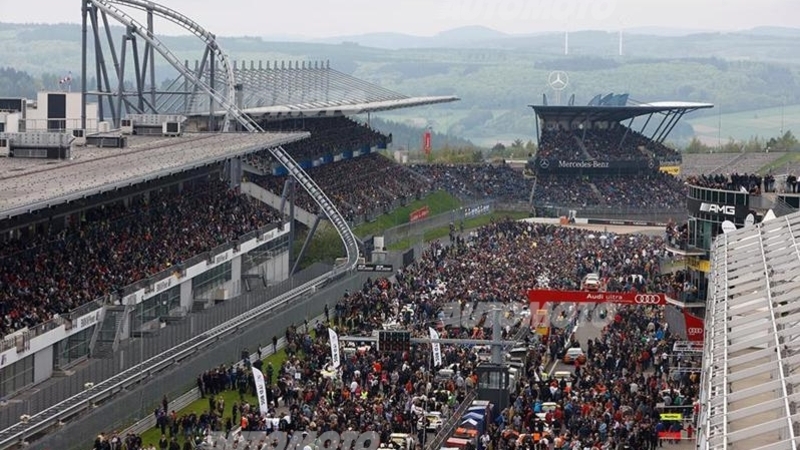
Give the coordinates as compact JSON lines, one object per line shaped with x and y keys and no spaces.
{"x":139,"y":373}
{"x":452,"y":422}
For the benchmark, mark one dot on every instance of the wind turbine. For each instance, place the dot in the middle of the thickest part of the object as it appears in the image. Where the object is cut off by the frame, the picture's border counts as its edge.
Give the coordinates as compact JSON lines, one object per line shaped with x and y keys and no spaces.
{"x":622,"y":23}
{"x":566,"y":39}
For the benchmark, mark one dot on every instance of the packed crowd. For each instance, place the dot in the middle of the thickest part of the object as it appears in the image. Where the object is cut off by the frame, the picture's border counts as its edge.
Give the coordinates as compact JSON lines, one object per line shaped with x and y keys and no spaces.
{"x":648,"y":191}
{"x":365,"y":186}
{"x":117,"y":244}
{"x":329,"y":136}
{"x":478,"y":181}
{"x":610,"y":402}
{"x":750,"y":183}
{"x":615,"y":144}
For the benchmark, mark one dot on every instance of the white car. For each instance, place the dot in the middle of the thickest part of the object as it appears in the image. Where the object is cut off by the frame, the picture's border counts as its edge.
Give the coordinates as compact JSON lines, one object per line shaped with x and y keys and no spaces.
{"x":434,"y":419}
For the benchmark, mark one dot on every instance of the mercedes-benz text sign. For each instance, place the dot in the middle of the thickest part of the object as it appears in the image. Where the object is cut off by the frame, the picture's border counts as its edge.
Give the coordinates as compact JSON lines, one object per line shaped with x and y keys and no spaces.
{"x":713,"y":208}
{"x":647,"y":299}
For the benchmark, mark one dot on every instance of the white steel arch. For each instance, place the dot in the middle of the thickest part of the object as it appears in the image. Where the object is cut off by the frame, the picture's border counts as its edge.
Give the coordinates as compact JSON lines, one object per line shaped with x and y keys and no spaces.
{"x":226,"y":100}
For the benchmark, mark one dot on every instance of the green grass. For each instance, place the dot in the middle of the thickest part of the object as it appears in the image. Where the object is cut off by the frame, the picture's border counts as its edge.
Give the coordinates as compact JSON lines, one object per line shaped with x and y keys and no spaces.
{"x":469,"y":224}
{"x":438,"y":202}
{"x":780,"y":162}
{"x":765,"y":123}
{"x":200,"y":406}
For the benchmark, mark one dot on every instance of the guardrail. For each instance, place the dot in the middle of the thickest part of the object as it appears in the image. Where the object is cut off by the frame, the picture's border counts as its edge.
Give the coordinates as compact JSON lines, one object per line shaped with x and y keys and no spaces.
{"x":451,"y":423}
{"x":102,"y":391}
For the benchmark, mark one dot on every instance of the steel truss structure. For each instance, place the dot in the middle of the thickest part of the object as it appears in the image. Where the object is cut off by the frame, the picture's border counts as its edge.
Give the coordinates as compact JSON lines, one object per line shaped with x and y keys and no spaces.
{"x":751,"y":356}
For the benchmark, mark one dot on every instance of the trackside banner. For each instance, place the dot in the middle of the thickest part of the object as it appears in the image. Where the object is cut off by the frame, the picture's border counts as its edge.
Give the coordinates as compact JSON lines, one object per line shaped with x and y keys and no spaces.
{"x":543,"y":296}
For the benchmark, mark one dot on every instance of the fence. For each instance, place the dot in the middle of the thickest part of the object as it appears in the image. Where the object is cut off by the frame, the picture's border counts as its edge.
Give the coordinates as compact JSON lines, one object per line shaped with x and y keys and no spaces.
{"x":138,"y":401}
{"x":614,"y":213}
{"x":417,"y":229}
{"x":194,"y":394}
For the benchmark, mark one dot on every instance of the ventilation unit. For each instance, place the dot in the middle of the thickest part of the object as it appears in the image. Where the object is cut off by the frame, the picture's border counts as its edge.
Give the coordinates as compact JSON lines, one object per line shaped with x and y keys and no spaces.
{"x":126,"y":126}
{"x":80,"y":137}
{"x":171,"y":129}
{"x":103,"y":127}
{"x":5,"y":147}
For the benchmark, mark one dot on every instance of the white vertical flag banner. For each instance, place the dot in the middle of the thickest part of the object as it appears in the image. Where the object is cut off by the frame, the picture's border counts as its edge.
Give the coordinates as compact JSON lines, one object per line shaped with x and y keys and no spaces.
{"x":436,"y":348}
{"x":334,"y":338}
{"x":261,"y":392}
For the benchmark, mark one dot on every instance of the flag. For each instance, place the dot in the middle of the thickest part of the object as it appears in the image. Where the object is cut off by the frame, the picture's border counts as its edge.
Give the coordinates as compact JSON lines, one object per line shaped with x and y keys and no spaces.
{"x":334,"y":338}
{"x":436,"y":348}
{"x":261,"y":392}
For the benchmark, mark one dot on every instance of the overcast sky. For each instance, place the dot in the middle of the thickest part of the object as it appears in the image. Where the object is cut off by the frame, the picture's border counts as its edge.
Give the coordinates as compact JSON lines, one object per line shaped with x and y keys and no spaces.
{"x":325,"y":18}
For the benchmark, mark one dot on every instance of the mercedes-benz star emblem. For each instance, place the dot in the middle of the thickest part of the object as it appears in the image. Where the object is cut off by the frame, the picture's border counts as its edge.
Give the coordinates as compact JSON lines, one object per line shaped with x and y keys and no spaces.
{"x":544,"y":163}
{"x":558,"y":80}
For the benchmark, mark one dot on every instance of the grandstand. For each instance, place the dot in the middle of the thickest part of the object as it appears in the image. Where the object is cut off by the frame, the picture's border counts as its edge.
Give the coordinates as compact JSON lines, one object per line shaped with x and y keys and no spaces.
{"x":728,"y":163}
{"x":138,"y":218}
{"x":590,"y":162}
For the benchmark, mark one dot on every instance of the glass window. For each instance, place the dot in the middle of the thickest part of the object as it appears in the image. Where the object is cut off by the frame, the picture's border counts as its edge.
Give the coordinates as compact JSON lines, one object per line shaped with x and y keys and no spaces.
{"x":17,"y":376}
{"x":212,"y":278}
{"x":157,"y":306}
{"x":73,"y":348}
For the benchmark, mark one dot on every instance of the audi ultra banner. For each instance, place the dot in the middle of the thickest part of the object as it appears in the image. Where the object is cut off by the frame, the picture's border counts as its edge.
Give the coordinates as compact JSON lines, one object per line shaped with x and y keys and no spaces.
{"x":542,"y":296}
{"x":564,"y":165}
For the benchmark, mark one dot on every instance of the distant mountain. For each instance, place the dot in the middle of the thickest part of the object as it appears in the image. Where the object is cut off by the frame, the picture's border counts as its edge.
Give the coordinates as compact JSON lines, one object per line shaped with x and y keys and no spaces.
{"x":457,"y":37}
{"x":665,"y":31}
{"x":774,"y":31}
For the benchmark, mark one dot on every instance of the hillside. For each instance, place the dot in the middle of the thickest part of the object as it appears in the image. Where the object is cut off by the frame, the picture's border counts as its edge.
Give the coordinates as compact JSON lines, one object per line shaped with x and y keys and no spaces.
{"x":498,"y":74}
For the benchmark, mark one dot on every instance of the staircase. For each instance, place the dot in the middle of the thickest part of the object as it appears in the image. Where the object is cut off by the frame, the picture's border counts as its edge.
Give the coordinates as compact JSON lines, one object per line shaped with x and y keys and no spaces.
{"x":582,"y":147}
{"x":597,"y":192}
{"x":106,"y":337}
{"x":770,"y":200}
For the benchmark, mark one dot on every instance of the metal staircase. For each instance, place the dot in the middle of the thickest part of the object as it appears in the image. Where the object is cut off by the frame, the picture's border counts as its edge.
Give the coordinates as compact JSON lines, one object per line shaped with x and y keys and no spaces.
{"x":107,"y":333}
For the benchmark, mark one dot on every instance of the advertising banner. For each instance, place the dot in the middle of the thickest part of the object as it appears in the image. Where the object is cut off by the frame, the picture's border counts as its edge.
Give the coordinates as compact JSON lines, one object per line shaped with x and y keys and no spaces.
{"x":543,"y":296}
{"x":261,"y":392}
{"x":419,"y":214}
{"x":436,"y":348}
{"x":334,"y":339}
{"x":695,"y":327}
{"x":555,"y":165}
{"x":719,"y":211}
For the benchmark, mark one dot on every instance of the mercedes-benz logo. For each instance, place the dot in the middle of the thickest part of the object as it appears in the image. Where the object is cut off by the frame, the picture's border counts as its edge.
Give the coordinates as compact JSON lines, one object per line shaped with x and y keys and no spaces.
{"x":544,"y":163}
{"x":558,"y":80}
{"x":652,"y":164}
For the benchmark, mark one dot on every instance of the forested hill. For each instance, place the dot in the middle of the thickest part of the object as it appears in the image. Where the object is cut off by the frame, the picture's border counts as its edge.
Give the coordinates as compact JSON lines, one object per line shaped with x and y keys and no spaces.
{"x":495,"y":74}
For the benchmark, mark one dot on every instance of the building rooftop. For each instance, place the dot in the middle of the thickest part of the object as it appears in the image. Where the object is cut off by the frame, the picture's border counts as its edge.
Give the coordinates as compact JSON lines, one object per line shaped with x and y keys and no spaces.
{"x":752,"y":342}
{"x":27,"y":185}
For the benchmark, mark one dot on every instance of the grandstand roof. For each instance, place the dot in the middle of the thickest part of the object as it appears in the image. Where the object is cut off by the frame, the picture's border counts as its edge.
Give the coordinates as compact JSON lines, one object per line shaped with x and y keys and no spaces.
{"x":27,"y":185}
{"x":752,"y":345}
{"x":613,"y":113}
{"x":311,"y":89}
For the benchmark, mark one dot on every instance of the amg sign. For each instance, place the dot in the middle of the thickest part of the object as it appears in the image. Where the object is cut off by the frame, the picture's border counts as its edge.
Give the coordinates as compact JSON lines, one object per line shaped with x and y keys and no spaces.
{"x":728,"y":210}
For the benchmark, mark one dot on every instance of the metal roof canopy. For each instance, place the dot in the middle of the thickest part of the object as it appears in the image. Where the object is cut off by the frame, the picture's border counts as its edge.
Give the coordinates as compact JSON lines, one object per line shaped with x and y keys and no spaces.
{"x":752,"y":340}
{"x":671,"y":113}
{"x":43,"y":186}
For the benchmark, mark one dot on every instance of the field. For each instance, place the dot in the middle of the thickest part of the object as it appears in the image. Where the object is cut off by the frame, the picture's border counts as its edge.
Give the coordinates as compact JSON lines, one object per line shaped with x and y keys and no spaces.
{"x":765,"y":123}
